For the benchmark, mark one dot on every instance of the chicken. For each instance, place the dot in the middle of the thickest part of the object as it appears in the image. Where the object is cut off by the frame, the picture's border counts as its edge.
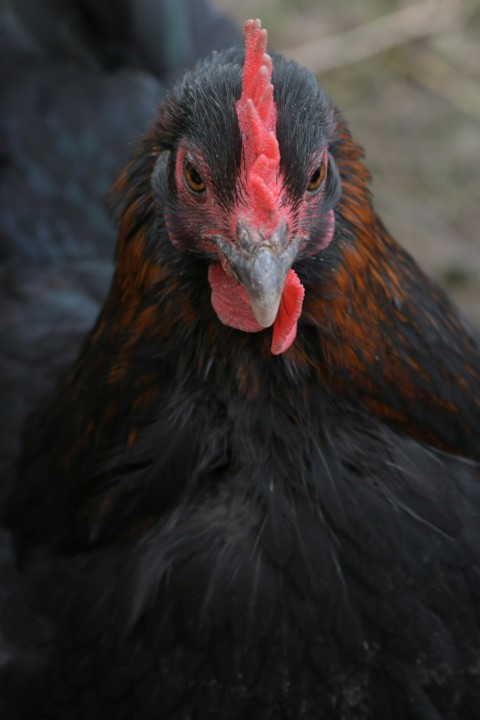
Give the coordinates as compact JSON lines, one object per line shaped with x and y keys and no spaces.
{"x":255,"y":494}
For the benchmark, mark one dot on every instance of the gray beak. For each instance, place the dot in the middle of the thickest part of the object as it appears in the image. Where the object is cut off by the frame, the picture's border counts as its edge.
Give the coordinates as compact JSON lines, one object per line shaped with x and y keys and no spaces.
{"x":261,"y":265}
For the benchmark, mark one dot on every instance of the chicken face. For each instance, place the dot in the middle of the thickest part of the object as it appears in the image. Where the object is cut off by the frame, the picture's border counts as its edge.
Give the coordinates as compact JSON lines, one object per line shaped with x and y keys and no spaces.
{"x":257,"y":209}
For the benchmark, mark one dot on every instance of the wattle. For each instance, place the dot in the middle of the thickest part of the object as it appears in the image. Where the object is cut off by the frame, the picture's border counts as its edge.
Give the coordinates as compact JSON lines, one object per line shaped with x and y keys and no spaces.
{"x":230,"y":302}
{"x":285,"y":325}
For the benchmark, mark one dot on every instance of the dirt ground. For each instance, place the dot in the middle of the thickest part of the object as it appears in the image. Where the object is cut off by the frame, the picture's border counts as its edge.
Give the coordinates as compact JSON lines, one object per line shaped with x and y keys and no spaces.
{"x":415,"y":108}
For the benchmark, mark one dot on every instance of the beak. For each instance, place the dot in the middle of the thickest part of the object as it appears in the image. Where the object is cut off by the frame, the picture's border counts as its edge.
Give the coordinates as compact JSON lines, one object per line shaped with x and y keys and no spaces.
{"x":261,"y":265}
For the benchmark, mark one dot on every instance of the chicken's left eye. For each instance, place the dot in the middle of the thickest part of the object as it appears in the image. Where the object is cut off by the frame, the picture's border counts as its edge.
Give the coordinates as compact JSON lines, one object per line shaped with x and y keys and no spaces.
{"x":317,"y":177}
{"x":193,"y":179}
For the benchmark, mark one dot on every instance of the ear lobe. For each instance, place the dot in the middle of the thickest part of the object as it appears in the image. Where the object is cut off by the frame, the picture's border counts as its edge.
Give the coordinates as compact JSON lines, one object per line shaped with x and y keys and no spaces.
{"x":159,"y":174}
{"x":334,"y":184}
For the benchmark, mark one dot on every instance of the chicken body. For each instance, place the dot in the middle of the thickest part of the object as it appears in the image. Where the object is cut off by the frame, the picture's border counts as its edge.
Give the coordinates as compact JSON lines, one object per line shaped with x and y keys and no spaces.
{"x":221,"y":520}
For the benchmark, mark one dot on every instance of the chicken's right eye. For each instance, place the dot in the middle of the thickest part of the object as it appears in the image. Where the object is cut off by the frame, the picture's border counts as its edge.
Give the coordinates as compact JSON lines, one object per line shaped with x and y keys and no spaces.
{"x":193,"y":180}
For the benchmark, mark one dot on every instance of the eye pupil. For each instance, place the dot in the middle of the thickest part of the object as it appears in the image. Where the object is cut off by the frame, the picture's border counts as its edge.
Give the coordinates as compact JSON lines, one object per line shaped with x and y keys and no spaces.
{"x":193,"y":179}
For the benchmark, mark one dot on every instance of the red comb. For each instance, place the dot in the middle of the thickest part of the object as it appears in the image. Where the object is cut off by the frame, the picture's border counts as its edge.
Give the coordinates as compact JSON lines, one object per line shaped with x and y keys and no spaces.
{"x":257,"y":115}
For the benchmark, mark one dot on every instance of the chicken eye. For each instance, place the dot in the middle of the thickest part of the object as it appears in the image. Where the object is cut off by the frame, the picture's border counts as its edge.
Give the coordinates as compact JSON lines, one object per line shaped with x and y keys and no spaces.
{"x":317,"y":177}
{"x":193,"y":180}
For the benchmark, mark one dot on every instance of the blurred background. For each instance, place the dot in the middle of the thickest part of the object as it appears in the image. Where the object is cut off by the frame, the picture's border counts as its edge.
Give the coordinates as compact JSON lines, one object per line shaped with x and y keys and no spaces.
{"x":406,"y":74}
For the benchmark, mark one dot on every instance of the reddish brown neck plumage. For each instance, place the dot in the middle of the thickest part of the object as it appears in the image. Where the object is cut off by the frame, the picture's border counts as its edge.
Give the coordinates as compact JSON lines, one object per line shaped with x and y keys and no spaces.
{"x":257,"y":115}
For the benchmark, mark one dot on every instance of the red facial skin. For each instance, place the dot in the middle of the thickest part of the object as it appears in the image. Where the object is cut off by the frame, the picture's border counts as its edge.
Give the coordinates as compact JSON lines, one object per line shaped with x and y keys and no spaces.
{"x":210,"y":219}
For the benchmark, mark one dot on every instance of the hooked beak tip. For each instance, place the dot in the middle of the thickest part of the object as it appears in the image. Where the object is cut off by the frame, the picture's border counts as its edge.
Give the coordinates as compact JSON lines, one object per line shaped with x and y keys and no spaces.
{"x":265,"y":311}
{"x":261,"y":265}
{"x":263,"y":278}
